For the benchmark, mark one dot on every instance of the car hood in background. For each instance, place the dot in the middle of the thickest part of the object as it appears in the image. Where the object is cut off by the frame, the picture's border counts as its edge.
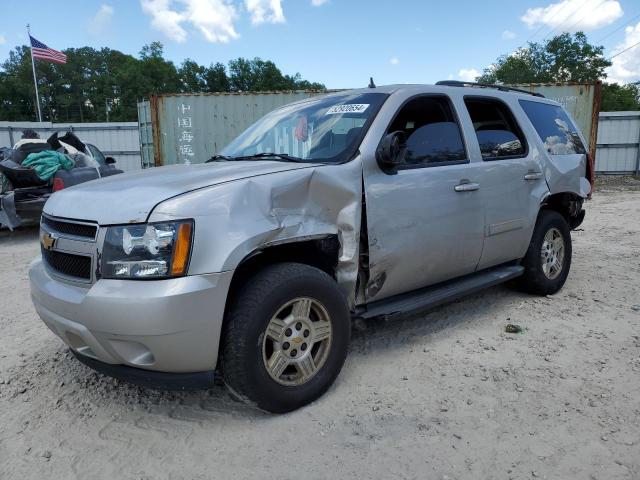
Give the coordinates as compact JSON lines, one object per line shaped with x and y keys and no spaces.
{"x":130,"y":197}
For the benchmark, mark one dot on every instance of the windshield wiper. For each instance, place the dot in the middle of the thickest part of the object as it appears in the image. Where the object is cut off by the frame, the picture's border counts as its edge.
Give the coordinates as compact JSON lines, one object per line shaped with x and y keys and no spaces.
{"x":216,"y":158}
{"x":278,"y":156}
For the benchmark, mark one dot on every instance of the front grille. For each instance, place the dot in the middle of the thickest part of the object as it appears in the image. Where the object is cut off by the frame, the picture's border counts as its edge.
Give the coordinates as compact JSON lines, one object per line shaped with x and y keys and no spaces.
{"x":69,"y":228}
{"x":77,"y":266}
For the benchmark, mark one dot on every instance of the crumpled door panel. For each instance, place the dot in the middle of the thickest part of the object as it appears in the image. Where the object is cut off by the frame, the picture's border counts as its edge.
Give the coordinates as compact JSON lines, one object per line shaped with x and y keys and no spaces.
{"x":567,"y":173}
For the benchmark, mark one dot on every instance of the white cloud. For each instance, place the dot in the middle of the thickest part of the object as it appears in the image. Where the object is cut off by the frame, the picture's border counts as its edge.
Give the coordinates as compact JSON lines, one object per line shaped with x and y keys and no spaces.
{"x":508,"y":35}
{"x":317,"y":3}
{"x":2,"y":39}
{"x":574,"y":15}
{"x":99,"y":23}
{"x":265,"y":11}
{"x":213,"y":18}
{"x":468,"y":74}
{"x":394,"y":61}
{"x":164,"y":19}
{"x":626,"y":66}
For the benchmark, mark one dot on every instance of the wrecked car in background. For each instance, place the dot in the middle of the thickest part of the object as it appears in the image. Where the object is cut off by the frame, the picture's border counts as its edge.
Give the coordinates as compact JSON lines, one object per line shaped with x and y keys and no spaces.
{"x":364,"y":203}
{"x":35,"y":168}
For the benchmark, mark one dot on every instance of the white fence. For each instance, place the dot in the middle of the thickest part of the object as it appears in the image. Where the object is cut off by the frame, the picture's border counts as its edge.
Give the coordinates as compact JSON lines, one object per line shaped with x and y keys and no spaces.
{"x":119,"y":140}
{"x":618,"y":146}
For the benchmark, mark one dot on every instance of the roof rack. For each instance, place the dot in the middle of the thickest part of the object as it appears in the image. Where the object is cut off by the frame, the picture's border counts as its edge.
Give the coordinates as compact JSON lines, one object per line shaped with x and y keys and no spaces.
{"x":503,"y":88}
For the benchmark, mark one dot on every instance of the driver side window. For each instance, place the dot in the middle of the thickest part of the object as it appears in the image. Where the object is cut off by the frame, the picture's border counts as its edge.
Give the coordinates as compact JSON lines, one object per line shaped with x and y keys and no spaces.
{"x":432,"y":132}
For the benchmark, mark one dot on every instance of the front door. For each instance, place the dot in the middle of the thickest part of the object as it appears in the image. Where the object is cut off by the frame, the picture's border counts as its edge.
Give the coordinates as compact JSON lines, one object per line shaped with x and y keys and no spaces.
{"x":424,"y":221}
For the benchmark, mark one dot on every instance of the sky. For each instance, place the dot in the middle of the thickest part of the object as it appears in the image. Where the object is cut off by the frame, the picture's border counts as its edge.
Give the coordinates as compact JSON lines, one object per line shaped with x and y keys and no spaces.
{"x":340,"y":43}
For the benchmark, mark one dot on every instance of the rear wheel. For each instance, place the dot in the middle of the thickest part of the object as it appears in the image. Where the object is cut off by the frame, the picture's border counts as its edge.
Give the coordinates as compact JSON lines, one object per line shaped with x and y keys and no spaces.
{"x":548,"y":258}
{"x":285,"y":337}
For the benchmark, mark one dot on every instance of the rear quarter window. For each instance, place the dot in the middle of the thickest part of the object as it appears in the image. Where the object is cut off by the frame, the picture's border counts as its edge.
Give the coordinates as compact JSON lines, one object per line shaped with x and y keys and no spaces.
{"x":557,"y":131}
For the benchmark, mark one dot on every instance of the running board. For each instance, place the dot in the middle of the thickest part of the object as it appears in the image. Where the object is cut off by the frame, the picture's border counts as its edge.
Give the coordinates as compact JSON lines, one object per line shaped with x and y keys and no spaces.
{"x":430,"y":297}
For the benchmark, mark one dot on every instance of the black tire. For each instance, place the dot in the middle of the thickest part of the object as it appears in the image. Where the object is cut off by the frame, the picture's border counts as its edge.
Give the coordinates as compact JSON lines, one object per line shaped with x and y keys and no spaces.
{"x":534,"y":280}
{"x":251,"y":310}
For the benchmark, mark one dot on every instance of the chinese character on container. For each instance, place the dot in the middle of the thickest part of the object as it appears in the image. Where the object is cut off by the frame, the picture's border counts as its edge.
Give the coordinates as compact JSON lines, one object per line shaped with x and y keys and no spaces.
{"x":184,"y":122}
{"x":186,"y":150}
{"x":185,"y":137}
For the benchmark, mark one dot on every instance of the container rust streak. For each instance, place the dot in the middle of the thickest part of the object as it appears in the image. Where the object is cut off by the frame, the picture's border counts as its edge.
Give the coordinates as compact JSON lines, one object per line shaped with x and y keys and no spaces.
{"x":155,"y":125}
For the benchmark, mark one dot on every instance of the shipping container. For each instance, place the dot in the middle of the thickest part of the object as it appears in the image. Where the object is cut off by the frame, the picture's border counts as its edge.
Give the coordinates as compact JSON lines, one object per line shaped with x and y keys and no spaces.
{"x":191,"y":128}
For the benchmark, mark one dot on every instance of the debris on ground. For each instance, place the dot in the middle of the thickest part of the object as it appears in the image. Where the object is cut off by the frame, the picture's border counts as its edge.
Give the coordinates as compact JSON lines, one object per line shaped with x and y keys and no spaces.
{"x":513,"y":328}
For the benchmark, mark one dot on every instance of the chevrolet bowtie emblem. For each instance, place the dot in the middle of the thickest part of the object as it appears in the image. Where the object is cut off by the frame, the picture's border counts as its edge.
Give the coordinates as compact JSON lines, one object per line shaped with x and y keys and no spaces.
{"x":48,"y":240}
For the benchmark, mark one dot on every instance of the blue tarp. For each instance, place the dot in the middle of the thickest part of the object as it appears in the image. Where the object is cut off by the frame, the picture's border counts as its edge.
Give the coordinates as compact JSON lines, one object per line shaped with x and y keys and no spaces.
{"x":47,"y":163}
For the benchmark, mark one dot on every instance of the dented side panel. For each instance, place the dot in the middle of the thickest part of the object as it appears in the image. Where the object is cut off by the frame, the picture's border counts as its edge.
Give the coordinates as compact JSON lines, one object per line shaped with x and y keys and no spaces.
{"x":567,"y":173}
{"x":564,"y":171}
{"x":238,"y":218}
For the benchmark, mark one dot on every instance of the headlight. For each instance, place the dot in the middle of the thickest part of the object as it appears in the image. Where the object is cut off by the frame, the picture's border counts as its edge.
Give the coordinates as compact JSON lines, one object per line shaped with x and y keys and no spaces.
{"x":154,"y":250}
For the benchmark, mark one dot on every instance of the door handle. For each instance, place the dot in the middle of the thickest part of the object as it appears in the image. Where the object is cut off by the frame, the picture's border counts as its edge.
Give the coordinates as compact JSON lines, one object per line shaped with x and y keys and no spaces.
{"x":466,"y":187}
{"x":533,"y":176}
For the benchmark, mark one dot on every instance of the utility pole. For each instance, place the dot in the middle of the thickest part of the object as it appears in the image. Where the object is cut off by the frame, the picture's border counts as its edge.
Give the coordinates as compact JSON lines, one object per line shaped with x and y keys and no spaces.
{"x":35,"y":80}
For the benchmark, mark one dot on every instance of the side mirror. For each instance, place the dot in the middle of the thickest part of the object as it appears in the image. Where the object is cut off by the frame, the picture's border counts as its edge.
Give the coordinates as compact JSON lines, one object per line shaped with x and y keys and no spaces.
{"x":391,"y":151}
{"x":109,"y":160}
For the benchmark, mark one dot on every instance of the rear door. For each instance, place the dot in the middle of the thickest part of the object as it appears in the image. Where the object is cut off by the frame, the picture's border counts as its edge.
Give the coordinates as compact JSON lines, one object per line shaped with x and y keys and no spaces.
{"x":566,"y":155}
{"x":425,"y":219}
{"x":512,"y":179}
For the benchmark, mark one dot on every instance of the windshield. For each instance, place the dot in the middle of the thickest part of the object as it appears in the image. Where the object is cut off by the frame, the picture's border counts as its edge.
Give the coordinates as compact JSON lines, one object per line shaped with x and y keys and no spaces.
{"x":325,"y":129}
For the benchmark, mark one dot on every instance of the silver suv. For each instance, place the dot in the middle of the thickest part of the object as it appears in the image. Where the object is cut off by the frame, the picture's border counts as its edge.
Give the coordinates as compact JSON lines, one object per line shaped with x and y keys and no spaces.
{"x":373,"y":202}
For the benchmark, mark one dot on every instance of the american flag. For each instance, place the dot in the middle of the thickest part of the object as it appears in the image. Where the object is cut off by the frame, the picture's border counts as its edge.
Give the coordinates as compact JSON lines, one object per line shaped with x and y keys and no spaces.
{"x":42,"y":52}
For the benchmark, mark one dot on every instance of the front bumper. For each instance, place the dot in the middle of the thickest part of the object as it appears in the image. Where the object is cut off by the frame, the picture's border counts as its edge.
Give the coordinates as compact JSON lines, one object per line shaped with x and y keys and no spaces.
{"x":149,"y":378}
{"x":169,"y":325}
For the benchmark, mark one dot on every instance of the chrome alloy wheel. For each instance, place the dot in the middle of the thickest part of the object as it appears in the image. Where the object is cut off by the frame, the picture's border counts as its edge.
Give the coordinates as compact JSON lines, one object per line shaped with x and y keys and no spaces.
{"x":297,"y":341}
{"x":552,"y":253}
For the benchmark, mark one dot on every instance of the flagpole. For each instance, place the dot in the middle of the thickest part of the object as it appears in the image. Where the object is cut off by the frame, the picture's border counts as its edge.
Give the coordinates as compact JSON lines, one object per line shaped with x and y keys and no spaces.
{"x":35,"y":81}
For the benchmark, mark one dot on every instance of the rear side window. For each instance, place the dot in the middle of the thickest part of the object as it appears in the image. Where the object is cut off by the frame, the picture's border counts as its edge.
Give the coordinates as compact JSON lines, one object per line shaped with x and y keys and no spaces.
{"x":498,"y":133}
{"x":97,"y":154}
{"x":556,"y":130}
{"x":432,"y":132}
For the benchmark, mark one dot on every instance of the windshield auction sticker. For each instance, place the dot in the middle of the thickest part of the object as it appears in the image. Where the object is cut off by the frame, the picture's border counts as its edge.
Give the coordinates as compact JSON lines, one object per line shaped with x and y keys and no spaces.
{"x":348,"y":108}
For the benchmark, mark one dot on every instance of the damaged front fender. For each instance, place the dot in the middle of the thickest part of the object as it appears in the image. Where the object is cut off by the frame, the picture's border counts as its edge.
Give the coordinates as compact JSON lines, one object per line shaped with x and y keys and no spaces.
{"x":236,"y":219}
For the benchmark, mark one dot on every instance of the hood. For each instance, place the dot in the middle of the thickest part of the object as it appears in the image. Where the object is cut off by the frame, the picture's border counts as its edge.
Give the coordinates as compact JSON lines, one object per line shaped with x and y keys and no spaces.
{"x":130,"y":197}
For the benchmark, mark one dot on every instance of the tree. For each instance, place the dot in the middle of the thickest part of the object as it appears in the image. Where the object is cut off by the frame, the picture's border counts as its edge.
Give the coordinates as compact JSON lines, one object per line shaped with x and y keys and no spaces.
{"x":620,"y":97}
{"x":157,"y":74}
{"x":215,"y":78}
{"x":564,"y":58}
{"x":259,"y":75}
{"x":192,"y":77}
{"x":98,"y":84}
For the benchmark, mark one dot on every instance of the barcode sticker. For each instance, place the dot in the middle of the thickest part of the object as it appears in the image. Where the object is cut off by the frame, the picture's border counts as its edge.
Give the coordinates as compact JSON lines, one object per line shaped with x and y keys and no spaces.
{"x":348,"y":108}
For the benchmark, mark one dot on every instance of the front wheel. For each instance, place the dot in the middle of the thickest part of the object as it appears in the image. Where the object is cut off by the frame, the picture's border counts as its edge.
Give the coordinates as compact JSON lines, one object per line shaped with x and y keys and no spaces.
{"x":285,"y":338}
{"x":548,"y":259}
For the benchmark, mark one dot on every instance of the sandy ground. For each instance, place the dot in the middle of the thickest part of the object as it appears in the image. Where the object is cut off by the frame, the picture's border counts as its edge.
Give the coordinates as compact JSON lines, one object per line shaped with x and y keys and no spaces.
{"x":444,"y":395}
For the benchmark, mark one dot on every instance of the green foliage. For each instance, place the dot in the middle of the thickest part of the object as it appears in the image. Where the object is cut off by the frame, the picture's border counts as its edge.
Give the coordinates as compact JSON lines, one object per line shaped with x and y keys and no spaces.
{"x":564,"y":58}
{"x":259,"y":75}
{"x":620,"y":97}
{"x":96,"y":83}
{"x":216,"y":79}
